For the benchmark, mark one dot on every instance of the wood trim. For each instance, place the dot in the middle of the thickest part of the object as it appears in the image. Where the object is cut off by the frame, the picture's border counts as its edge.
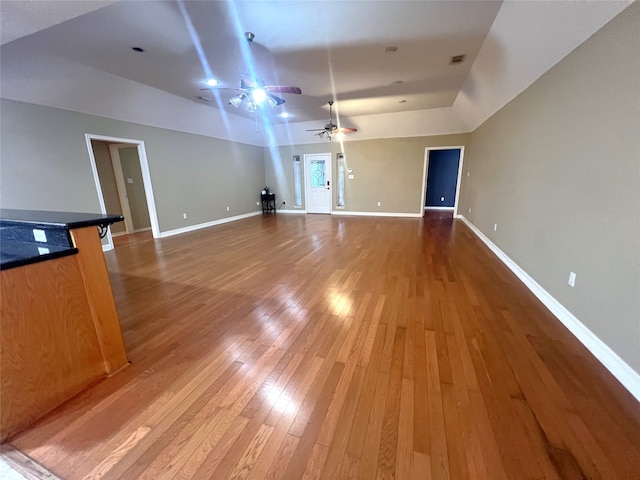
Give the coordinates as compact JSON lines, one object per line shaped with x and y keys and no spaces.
{"x":25,"y":465}
{"x":100,"y":296}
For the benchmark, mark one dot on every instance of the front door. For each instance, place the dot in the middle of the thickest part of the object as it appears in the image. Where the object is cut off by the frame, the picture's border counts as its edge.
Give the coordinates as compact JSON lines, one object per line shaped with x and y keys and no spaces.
{"x":318,"y":182}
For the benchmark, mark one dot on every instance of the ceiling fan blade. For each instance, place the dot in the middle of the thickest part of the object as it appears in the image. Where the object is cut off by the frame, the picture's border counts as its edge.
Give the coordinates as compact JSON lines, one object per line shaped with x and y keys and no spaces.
{"x":283,"y":89}
{"x":251,"y":82}
{"x":316,"y":130}
{"x":278,"y":100}
{"x":347,"y":130}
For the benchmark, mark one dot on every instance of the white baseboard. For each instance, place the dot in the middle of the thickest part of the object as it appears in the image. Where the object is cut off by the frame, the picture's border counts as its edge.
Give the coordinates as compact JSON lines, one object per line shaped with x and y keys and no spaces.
{"x":191,"y":228}
{"x":620,"y":369}
{"x":376,"y":214}
{"x":298,"y":210}
{"x":106,"y":248}
{"x":439,"y":208}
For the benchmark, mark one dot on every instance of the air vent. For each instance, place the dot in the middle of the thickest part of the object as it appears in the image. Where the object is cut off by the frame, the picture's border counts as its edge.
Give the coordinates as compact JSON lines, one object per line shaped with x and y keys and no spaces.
{"x":457,"y":59}
{"x":391,"y":50}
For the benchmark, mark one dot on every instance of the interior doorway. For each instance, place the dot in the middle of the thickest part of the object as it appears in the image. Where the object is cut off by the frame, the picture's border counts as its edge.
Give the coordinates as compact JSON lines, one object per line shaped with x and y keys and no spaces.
{"x":123,"y":184}
{"x":130,"y":186}
{"x":317,"y":168}
{"x":441,"y":178}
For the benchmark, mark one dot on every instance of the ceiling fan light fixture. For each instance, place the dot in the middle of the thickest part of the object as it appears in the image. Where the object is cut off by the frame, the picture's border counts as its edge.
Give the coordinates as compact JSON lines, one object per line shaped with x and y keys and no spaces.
{"x":250,"y":107}
{"x":236,"y":100}
{"x":259,"y":96}
{"x":272,"y":102}
{"x":212,"y":82}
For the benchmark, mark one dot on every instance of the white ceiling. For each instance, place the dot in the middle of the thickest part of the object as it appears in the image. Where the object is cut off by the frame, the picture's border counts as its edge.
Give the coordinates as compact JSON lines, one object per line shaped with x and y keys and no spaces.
{"x":330,"y":49}
{"x":19,"y":18}
{"x":84,"y":63}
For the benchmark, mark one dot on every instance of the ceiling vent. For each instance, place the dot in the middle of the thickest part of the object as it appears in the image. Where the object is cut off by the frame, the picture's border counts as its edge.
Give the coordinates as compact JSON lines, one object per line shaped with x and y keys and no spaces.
{"x":456,"y":59}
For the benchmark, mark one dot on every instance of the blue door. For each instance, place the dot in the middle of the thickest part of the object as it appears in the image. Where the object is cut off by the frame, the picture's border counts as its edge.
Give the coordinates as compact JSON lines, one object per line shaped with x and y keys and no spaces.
{"x":442,"y":177}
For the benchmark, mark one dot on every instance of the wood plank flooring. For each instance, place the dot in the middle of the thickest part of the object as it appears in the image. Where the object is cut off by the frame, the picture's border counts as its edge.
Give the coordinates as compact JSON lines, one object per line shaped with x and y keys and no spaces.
{"x":301,"y":347}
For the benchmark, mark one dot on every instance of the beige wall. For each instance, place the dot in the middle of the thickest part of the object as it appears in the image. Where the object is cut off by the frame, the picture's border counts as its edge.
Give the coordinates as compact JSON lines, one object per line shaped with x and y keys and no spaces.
{"x":389,"y":171}
{"x":558,"y":169}
{"x":130,"y":163}
{"x":107,"y":182}
{"x":45,"y":165}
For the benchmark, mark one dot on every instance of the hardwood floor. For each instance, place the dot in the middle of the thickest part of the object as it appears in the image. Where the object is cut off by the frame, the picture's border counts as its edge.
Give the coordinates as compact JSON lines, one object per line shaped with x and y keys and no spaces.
{"x":337,"y":347}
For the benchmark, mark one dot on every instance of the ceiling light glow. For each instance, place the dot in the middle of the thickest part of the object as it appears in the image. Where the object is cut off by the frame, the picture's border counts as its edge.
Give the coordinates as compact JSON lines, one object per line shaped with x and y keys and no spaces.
{"x":259,"y":96}
{"x":212,"y":82}
{"x":284,"y":115}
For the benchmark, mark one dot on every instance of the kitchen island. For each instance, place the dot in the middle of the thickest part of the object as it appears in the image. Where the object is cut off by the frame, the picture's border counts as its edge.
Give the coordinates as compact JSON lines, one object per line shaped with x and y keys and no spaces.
{"x":59,"y":328}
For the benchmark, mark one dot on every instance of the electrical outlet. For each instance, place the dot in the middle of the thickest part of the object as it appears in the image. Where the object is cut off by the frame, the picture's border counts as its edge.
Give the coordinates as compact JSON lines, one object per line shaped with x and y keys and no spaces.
{"x":572,"y":279}
{"x":257,"y":203}
{"x":469,"y":209}
{"x":442,"y":199}
{"x":495,"y":227}
{"x":468,"y":173}
{"x":379,"y":204}
{"x":227,"y":208}
{"x":184,"y":215}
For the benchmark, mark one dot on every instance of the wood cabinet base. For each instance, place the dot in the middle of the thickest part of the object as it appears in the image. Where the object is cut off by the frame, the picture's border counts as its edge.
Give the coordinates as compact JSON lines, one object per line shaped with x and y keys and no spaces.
{"x":59,"y":332}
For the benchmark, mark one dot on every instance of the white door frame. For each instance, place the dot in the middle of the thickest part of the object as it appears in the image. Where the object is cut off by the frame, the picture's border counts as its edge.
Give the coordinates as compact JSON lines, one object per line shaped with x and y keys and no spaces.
{"x":329,"y":177}
{"x":425,"y":171}
{"x":146,"y":179}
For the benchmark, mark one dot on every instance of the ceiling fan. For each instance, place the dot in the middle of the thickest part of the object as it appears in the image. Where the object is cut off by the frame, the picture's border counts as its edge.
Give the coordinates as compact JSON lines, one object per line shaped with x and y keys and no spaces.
{"x":255,"y":92}
{"x":331,"y":130}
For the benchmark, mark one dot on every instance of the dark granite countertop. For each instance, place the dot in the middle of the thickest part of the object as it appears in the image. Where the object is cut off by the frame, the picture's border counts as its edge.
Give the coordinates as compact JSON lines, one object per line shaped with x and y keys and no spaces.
{"x":17,"y":254}
{"x":43,"y":218}
{"x":30,"y":236}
